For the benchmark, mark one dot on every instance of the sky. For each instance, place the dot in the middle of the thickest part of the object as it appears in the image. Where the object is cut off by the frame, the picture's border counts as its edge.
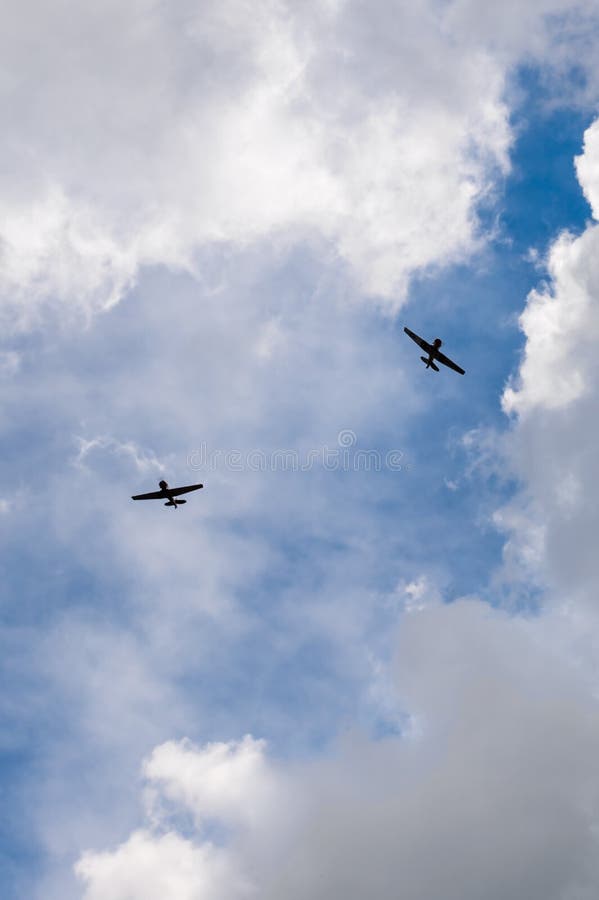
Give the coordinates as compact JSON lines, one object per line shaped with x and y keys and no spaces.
{"x":363,"y":660}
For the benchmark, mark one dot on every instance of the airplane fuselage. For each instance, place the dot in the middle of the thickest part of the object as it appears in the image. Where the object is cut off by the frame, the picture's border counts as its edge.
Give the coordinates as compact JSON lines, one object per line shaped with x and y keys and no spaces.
{"x":429,"y":362}
{"x":163,"y":485}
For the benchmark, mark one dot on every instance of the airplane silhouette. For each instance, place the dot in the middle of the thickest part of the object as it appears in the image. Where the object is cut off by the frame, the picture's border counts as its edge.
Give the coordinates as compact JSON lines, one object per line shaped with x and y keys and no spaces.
{"x":168,"y":493}
{"x":434,"y":354}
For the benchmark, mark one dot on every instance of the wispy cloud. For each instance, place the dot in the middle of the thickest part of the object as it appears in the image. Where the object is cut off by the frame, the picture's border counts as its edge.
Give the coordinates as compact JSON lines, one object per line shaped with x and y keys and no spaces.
{"x":144,"y":461}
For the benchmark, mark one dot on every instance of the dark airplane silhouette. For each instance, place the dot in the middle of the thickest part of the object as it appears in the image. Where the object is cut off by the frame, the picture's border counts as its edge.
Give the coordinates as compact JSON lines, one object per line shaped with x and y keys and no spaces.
{"x":168,"y":493}
{"x":433,"y":353}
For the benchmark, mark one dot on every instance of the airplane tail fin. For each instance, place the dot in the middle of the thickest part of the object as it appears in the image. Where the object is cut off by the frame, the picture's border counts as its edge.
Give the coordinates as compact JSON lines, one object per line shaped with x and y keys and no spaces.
{"x":429,"y":363}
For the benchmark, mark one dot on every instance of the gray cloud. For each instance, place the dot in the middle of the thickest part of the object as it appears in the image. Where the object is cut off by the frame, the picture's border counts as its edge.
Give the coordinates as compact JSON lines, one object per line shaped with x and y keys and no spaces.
{"x":140,"y":140}
{"x":493,"y":792}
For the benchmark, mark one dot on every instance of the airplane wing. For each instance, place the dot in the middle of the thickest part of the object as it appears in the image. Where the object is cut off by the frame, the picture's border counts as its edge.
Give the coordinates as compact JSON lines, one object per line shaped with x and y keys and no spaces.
{"x":185,"y":490}
{"x":448,"y":362}
{"x":420,"y":341}
{"x":154,"y":495}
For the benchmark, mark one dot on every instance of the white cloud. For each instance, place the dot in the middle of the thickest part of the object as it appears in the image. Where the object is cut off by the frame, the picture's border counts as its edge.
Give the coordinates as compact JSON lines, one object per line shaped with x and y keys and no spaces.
{"x":146,"y":137}
{"x":561,"y":326}
{"x":587,"y":167}
{"x":420,"y":592}
{"x":552,"y":447}
{"x":141,"y":133}
{"x":144,"y":461}
{"x":164,"y":868}
{"x":495,"y":779}
{"x":230,"y":782}
{"x":498,"y":785}
{"x":181,"y":127}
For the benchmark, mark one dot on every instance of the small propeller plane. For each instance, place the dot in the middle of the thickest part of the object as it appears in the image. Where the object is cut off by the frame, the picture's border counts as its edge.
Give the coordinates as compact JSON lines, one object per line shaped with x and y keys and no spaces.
{"x":434,"y":354}
{"x":168,"y":493}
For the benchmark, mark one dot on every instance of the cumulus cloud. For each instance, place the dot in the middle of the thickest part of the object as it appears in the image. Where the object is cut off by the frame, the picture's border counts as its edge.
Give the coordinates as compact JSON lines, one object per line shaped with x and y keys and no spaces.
{"x":139,"y":137}
{"x":491,"y":790}
{"x":587,"y":167}
{"x":140,"y":133}
{"x":560,"y":324}
{"x":553,"y":398}
{"x":223,"y":781}
{"x":172,"y":867}
{"x":226,"y":784}
{"x":494,"y":793}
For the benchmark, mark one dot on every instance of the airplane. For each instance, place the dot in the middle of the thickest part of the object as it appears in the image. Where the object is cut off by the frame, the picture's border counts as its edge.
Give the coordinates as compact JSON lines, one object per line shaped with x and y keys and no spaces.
{"x":168,"y":493}
{"x":433,"y":353}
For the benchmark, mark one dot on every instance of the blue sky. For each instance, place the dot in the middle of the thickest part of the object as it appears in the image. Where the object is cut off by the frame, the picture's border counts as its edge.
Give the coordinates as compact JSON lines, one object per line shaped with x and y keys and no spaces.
{"x":396,"y":637}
